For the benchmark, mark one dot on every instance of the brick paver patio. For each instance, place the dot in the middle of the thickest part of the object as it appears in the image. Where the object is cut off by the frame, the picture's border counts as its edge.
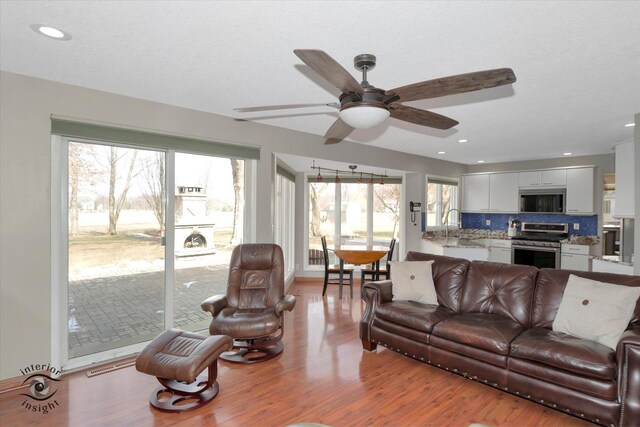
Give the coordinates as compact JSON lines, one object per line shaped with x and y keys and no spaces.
{"x":116,"y":311}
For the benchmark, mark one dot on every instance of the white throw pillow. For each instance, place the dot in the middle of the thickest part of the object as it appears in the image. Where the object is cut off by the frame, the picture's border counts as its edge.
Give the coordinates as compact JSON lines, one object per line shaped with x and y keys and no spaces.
{"x":413,"y":280}
{"x":595,"y":310}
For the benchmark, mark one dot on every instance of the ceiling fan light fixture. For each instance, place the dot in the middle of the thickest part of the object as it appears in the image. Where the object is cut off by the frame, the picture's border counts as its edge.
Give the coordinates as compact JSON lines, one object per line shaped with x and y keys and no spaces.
{"x":364,"y":116}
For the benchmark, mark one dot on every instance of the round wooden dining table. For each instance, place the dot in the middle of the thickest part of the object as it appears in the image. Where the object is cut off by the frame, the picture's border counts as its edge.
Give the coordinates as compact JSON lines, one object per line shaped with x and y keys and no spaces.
{"x":358,"y":255}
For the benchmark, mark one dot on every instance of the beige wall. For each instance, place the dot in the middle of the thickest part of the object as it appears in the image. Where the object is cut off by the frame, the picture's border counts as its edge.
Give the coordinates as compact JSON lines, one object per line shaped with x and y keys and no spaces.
{"x":26,"y":105}
{"x":636,"y":236}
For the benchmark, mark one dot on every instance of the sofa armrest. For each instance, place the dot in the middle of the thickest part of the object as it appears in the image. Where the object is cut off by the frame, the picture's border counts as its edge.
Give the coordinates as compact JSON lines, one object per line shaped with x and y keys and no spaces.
{"x":628,"y":359}
{"x":214,"y":304}
{"x":381,"y":290}
{"x":287,"y":302}
{"x":373,"y":293}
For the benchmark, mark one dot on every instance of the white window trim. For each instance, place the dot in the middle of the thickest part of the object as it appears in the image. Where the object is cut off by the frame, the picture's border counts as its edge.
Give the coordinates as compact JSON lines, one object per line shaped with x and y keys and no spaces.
{"x":439,"y":227}
{"x":60,"y":256}
{"x":338,"y":219}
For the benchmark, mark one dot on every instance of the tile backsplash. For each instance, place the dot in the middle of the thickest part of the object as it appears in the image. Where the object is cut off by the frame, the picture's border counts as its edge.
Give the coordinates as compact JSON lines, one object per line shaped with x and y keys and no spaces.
{"x":588,"y":224}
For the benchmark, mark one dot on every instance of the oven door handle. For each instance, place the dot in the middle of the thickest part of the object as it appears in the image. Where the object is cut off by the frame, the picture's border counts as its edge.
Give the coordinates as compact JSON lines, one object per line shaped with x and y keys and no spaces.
{"x":535,"y":248}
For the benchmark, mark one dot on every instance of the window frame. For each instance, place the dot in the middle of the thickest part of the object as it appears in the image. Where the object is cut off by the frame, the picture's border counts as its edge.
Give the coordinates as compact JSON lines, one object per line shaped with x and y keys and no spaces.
{"x":338,"y":212}
{"x":455,"y":201}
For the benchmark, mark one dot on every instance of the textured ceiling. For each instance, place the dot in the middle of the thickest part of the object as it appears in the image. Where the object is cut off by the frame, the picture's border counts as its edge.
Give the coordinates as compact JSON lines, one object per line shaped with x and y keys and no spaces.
{"x":577,"y":64}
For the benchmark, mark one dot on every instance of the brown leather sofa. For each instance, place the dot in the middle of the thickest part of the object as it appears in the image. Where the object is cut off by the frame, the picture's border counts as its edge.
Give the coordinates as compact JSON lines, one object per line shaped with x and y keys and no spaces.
{"x":493,"y":325}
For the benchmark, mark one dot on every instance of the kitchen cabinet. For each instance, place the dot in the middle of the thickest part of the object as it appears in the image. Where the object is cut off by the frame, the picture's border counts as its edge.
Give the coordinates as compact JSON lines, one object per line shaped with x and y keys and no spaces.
{"x":530,"y":179}
{"x":554,"y":178}
{"x":471,"y":253}
{"x":575,"y":257}
{"x":498,"y":192}
{"x":500,"y":255}
{"x":503,"y":192}
{"x":475,"y":193}
{"x":542,"y":178}
{"x":580,"y":187}
{"x":605,"y":266}
{"x":625,"y":181}
{"x":500,"y":250}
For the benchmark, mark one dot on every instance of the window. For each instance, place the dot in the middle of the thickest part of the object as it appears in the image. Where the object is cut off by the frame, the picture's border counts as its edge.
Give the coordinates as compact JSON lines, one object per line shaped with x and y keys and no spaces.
{"x":285,"y":219}
{"x":369,"y":214}
{"x":442,"y":201}
{"x":146,"y":234}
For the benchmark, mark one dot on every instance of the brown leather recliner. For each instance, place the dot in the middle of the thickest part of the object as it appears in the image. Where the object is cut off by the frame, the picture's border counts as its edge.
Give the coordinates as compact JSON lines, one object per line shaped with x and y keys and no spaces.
{"x":252,"y":311}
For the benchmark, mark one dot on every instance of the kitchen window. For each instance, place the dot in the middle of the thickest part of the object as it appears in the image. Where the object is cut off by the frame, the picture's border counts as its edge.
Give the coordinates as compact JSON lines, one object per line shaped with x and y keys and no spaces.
{"x":441,"y":197}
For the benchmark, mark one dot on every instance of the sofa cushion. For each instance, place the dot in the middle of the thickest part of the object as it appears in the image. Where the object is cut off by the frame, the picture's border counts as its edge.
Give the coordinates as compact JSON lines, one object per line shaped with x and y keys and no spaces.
{"x":595,"y":311}
{"x":550,"y":288}
{"x":448,"y":276}
{"x":488,"y":331}
{"x":502,"y":289}
{"x":413,"y":280}
{"x":565,"y":352}
{"x":412,"y":314}
{"x":604,"y":389}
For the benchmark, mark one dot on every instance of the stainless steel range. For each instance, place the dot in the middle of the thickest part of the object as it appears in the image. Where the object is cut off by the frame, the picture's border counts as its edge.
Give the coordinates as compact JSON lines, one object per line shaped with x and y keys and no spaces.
{"x":539,"y":244}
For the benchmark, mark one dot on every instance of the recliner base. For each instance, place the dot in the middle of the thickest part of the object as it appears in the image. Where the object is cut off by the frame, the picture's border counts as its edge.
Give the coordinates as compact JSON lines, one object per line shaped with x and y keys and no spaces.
{"x":250,"y":354}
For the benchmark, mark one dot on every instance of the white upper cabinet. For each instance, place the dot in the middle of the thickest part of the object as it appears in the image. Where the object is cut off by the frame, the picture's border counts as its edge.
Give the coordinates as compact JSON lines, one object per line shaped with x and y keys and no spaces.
{"x":475,"y":193}
{"x":625,"y":181}
{"x":499,"y":192}
{"x":580,"y":185}
{"x":530,"y":179}
{"x":554,"y":178}
{"x":543,"y":178}
{"x":503,"y":192}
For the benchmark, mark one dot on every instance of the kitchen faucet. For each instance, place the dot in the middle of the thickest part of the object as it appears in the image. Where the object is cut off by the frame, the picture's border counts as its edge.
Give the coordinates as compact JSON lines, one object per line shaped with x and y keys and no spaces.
{"x":446,"y":221}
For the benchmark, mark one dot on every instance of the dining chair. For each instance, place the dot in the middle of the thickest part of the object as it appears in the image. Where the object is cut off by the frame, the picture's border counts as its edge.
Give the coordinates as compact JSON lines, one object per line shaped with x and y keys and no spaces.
{"x":384,"y":272}
{"x":334,"y":270}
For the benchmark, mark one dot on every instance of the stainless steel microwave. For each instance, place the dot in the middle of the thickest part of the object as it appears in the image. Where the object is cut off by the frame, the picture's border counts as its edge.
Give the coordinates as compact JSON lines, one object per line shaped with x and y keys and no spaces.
{"x":542,"y":201}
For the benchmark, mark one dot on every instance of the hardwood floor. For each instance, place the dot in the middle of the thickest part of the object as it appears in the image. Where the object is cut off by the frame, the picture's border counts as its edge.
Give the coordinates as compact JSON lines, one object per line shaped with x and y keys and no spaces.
{"x":323,"y":376}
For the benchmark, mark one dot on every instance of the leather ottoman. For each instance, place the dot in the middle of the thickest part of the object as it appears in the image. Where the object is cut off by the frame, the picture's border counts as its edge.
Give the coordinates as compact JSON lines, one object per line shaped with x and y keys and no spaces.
{"x":177,"y":358}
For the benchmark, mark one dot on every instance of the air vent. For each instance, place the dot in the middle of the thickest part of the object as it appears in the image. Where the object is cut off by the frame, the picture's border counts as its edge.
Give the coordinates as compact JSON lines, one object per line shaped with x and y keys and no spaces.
{"x":109,"y":368}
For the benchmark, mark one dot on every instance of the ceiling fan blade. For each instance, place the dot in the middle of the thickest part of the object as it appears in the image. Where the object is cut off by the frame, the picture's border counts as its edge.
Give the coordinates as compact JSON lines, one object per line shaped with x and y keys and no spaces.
{"x":421,"y":117}
{"x":338,"y":131}
{"x":329,"y":69}
{"x":283,"y":107}
{"x":454,"y":84}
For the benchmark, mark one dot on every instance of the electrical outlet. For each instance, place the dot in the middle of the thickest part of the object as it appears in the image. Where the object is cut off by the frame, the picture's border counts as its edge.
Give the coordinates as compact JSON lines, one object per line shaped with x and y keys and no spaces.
{"x":487,"y":222}
{"x":576,"y":226}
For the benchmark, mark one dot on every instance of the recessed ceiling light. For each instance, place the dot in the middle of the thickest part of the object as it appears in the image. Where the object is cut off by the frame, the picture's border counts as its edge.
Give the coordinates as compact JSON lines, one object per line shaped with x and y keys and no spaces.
{"x":463,"y":140}
{"x":441,"y":152}
{"x":629,"y":125}
{"x":480,"y":161}
{"x":567,"y":154}
{"x":51,"y":32}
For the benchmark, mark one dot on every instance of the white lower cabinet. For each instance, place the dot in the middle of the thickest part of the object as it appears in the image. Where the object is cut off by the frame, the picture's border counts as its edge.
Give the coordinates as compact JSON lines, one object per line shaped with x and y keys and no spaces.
{"x":500,"y":255}
{"x":575,"y":257}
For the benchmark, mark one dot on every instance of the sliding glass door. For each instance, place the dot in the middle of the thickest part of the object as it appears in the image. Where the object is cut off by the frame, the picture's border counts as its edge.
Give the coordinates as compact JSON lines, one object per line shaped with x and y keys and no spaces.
{"x":116,"y":265}
{"x":149,"y":237}
{"x":209,"y":214}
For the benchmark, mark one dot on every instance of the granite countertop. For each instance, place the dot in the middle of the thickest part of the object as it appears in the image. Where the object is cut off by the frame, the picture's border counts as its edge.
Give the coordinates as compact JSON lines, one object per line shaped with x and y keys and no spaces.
{"x":466,"y":233}
{"x":613,"y":260}
{"x":455,"y":242}
{"x":475,"y":234}
{"x":583,"y":240}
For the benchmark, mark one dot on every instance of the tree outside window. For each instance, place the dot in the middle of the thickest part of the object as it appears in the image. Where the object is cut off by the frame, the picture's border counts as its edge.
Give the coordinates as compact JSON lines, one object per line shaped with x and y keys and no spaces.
{"x":441,"y":197}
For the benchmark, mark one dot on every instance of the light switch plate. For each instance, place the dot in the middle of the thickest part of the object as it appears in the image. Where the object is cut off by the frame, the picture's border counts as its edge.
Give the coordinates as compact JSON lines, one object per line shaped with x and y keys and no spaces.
{"x":487,"y":222}
{"x":576,"y":226}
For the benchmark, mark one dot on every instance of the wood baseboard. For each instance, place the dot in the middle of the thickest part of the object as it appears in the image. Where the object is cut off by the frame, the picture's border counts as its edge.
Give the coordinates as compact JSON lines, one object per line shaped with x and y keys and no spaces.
{"x":16,"y":383}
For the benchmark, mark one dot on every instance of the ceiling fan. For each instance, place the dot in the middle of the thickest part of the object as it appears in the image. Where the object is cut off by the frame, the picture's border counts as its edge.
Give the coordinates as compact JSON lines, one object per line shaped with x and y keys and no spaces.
{"x":363,"y":106}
